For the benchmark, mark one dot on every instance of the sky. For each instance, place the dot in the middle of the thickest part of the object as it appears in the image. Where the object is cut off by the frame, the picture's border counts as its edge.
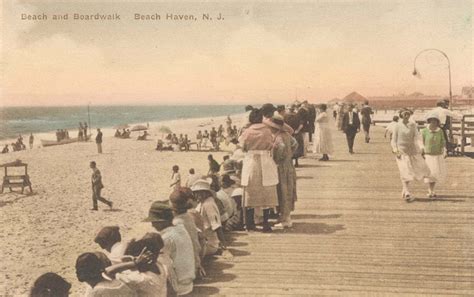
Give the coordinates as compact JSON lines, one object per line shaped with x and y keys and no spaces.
{"x":260,"y":52}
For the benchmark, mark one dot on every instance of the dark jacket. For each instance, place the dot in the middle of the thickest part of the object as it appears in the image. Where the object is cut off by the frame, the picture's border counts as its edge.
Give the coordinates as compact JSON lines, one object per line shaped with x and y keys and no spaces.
{"x":350,"y":128}
{"x":98,"y":138}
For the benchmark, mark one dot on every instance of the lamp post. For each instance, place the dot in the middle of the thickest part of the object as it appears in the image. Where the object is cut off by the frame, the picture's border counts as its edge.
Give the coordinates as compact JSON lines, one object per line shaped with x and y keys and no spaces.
{"x":415,"y":72}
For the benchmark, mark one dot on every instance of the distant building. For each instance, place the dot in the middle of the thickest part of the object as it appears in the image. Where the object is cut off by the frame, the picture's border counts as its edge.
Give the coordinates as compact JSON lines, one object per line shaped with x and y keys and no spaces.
{"x":354,"y":97}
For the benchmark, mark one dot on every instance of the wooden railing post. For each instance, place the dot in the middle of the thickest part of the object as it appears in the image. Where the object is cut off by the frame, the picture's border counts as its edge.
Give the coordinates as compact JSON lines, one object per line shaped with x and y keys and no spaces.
{"x":463,"y":138}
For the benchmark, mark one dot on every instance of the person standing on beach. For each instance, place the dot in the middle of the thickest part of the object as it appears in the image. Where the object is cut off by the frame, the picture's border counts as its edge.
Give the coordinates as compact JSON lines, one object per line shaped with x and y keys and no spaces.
{"x":85,"y":132}
{"x":205,"y":138}
{"x":98,"y":141}
{"x":32,"y":140}
{"x":214,"y":167}
{"x":366,"y":112}
{"x":97,"y":187}
{"x":350,"y":126}
{"x":199,"y":140}
{"x":175,"y":178}
{"x":80,"y":133}
{"x":213,"y":137}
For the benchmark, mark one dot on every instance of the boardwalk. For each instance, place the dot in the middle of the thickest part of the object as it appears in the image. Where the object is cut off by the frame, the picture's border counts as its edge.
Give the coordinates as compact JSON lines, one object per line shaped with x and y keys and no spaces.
{"x":354,"y":235}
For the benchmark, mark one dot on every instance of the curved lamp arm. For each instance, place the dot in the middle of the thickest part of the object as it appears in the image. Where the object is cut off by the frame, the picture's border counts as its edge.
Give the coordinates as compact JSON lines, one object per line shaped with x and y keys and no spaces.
{"x":415,"y":72}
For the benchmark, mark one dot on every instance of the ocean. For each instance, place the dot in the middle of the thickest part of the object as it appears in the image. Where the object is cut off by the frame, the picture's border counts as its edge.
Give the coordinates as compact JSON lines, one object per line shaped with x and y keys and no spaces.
{"x":25,"y":120}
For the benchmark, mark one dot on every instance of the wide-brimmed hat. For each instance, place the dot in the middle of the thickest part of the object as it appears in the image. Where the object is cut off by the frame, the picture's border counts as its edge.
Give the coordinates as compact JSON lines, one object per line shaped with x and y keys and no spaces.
{"x":202,"y":185}
{"x":160,"y":211}
{"x":268,"y":109}
{"x":237,"y":192}
{"x":276,"y":121}
{"x":432,"y":115}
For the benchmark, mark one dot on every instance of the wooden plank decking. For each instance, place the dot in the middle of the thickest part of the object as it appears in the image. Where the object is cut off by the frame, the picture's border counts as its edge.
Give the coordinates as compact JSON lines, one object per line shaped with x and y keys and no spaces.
{"x":354,"y":235}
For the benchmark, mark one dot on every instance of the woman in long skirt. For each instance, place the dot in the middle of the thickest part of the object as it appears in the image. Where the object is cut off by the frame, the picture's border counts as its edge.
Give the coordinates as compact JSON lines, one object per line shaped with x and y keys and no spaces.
{"x":434,"y":152}
{"x":323,"y":139}
{"x":259,"y":171}
{"x":405,"y":145}
{"x":283,"y":149}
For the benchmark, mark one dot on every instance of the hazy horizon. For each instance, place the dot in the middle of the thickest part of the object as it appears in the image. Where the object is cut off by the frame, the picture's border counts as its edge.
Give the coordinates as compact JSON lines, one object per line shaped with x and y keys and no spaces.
{"x":260,"y":52}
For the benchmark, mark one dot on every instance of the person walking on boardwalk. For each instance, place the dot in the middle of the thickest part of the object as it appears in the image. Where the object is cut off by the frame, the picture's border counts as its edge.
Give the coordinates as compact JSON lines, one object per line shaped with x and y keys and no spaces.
{"x":98,"y":141}
{"x":259,"y":171}
{"x":445,"y":116}
{"x":410,"y":162}
{"x":97,"y":187}
{"x":366,"y":112}
{"x":284,"y":147}
{"x":294,"y":121}
{"x":323,"y":139}
{"x":434,"y":152}
{"x":31,"y":140}
{"x":350,"y":126}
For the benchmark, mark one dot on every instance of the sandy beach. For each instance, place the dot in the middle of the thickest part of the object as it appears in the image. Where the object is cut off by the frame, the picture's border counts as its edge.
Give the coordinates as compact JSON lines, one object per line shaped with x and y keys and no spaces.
{"x":46,"y":231}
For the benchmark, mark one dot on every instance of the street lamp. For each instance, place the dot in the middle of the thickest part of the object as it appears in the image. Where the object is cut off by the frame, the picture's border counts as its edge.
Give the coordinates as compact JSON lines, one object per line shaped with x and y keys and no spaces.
{"x":415,"y":72}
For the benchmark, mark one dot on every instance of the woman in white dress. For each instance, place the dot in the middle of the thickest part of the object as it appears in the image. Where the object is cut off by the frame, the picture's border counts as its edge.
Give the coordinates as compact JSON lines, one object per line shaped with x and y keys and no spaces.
{"x":434,"y":152}
{"x":406,"y":146}
{"x":323,"y":139}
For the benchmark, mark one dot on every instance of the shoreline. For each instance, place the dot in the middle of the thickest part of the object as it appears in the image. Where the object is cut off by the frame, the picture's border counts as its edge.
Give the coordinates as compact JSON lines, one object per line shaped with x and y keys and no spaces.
{"x":55,"y":222}
{"x":110,"y":131}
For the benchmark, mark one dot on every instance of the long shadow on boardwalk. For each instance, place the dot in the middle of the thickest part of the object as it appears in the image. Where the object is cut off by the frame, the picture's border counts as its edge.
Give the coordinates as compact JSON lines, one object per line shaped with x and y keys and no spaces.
{"x":315,"y":217}
{"x":439,"y":200}
{"x":312,"y":228}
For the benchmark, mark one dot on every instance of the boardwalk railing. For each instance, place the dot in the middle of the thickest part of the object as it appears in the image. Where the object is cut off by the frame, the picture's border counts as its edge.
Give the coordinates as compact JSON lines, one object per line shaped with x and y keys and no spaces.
{"x":467,"y":130}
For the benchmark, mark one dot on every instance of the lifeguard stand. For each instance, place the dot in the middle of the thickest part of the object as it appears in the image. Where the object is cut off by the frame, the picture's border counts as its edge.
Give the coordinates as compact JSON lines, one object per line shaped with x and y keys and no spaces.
{"x":17,"y":180}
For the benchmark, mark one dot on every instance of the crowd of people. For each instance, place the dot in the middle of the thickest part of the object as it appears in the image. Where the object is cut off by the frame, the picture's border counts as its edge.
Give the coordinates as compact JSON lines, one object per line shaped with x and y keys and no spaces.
{"x":253,"y":188}
{"x":421,"y":155}
{"x":124,"y":134}
{"x":207,"y":140}
{"x":82,"y":134}
{"x":18,"y":145}
{"x":62,"y":134}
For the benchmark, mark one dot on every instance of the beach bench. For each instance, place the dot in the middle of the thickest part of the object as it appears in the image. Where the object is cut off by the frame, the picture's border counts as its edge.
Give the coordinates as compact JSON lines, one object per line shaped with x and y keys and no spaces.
{"x":16,"y":180}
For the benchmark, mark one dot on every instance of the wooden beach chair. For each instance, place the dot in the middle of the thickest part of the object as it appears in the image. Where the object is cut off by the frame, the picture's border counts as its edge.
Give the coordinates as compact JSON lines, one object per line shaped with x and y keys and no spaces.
{"x":16,"y":180}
